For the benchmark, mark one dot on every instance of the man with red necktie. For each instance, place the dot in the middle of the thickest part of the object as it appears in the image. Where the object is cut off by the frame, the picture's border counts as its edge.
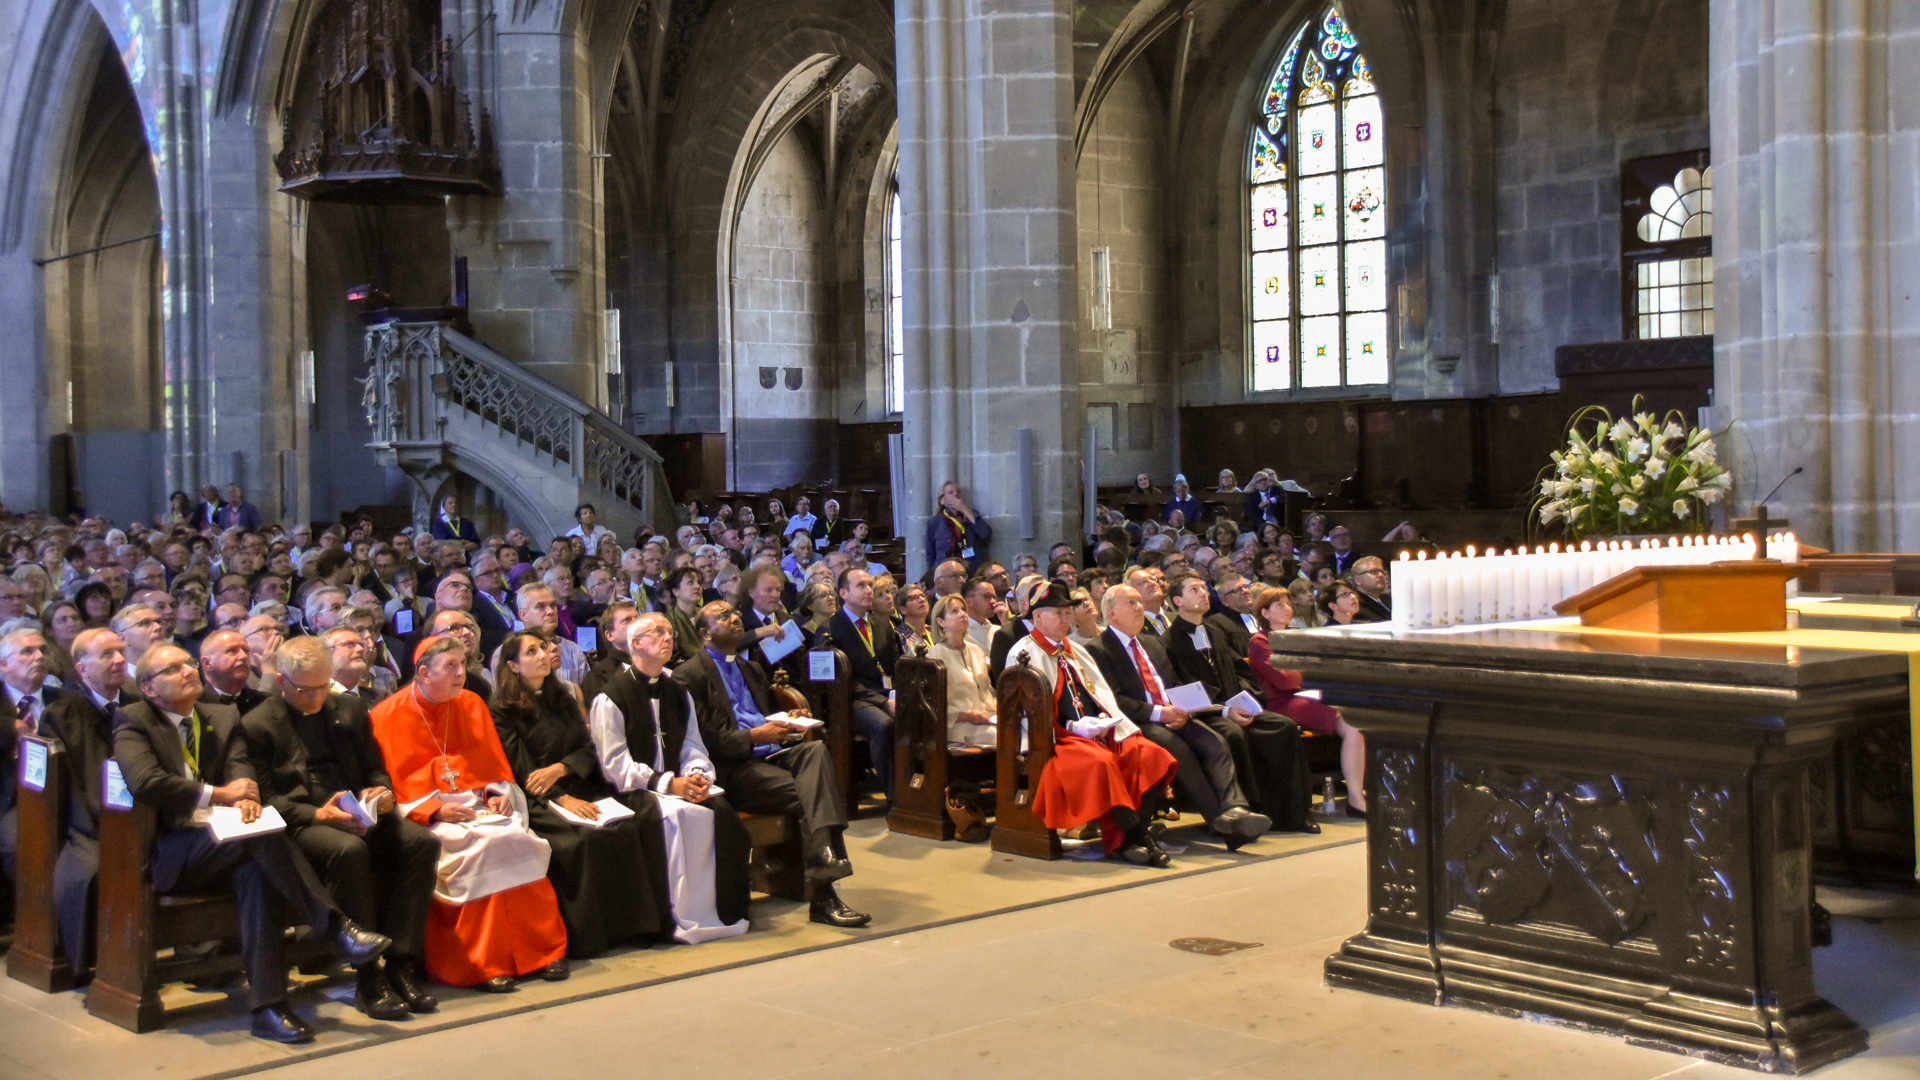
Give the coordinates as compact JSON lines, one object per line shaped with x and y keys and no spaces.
{"x":1102,"y":769}
{"x":871,"y":647}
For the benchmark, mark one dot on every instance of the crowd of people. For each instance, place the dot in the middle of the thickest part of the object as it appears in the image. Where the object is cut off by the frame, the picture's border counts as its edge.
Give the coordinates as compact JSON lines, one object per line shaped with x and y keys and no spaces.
{"x":491,"y":758}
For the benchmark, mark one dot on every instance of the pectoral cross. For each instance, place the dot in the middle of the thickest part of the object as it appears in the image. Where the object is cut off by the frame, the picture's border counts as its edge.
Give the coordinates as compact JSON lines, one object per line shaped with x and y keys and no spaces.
{"x":449,"y":775}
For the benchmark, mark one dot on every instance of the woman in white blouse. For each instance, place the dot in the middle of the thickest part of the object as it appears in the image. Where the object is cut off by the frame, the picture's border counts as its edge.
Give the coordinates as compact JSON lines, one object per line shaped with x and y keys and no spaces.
{"x":970,"y":700}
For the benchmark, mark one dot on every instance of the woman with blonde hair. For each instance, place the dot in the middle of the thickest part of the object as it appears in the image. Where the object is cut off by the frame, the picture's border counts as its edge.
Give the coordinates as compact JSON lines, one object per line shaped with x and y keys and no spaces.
{"x":970,"y":700}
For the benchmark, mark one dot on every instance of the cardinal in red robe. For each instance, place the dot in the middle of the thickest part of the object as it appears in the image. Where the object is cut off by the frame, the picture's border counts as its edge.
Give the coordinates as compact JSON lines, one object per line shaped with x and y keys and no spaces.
{"x":494,"y":915}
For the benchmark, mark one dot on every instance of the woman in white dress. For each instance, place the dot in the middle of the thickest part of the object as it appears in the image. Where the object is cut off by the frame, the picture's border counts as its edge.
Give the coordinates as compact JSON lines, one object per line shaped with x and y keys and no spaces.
{"x":970,"y":700}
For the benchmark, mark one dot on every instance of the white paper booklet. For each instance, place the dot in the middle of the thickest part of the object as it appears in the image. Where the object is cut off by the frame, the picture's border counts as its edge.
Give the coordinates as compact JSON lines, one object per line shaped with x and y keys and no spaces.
{"x":225,"y":824}
{"x":612,"y":812}
{"x":790,"y":639}
{"x":1189,"y":697}
{"x":1245,"y":702}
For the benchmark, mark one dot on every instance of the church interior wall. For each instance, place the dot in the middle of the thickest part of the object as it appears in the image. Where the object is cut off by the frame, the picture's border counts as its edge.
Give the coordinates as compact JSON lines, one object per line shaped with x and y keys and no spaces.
{"x":103,"y":341}
{"x":1126,"y":371}
{"x":1581,"y":87}
{"x":783,"y":404}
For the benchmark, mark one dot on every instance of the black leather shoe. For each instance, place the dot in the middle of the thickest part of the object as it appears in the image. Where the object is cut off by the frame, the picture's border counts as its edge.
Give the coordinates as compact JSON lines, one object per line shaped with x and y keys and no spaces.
{"x":833,"y":911}
{"x":278,"y":1023}
{"x":407,"y":983}
{"x":557,"y":971}
{"x":373,"y":997}
{"x":499,"y":984}
{"x":1352,"y":813}
{"x":1146,"y":853}
{"x":356,"y":945}
{"x":1240,"y":823}
{"x":824,"y":866}
{"x":1309,"y":826}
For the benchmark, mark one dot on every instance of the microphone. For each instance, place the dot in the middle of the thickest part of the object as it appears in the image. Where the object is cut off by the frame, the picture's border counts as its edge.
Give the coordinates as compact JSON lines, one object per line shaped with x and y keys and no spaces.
{"x":1797,"y":470}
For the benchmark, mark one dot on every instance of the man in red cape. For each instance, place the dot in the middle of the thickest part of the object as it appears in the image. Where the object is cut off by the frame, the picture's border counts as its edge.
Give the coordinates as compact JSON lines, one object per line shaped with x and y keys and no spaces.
{"x":1102,"y":769}
{"x":494,"y":915}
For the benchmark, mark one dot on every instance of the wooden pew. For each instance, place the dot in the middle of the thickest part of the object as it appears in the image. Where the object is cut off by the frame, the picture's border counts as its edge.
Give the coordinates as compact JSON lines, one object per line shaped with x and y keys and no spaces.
{"x":36,"y":958}
{"x":832,"y":703}
{"x":1025,"y":704}
{"x":136,"y":924}
{"x":778,"y":861}
{"x":923,"y":763}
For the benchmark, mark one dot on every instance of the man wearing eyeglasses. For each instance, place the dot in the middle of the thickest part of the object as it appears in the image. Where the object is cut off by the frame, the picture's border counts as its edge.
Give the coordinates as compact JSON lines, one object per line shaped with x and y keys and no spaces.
{"x":179,"y":756}
{"x":313,"y":749}
{"x":1369,"y":579}
{"x":139,"y":626}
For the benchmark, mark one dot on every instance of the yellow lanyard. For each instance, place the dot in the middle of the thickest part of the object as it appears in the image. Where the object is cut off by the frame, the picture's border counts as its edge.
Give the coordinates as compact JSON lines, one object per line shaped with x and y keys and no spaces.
{"x":866,"y":634}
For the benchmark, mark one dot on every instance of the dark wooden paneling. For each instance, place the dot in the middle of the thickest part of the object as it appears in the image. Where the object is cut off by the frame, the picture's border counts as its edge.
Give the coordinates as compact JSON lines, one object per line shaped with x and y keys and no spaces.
{"x":863,"y":454}
{"x":1417,"y":454}
{"x":695,"y":464}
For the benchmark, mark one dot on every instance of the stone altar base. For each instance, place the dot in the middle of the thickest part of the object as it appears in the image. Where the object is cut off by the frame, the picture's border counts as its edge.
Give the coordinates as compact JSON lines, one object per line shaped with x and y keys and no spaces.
{"x":1608,"y":832}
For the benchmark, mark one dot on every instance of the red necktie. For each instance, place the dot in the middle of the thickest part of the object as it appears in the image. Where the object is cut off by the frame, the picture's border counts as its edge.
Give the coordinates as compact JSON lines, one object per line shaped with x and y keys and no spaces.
{"x":1147,"y":676}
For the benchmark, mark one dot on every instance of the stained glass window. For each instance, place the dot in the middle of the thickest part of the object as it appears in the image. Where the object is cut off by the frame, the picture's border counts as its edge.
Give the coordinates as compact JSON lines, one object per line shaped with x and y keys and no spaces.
{"x":1667,"y":245}
{"x":1318,"y":207}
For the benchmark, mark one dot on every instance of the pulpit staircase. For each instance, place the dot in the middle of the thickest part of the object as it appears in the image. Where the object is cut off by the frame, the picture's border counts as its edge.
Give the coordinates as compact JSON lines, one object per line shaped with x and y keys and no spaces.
{"x":440,"y":403}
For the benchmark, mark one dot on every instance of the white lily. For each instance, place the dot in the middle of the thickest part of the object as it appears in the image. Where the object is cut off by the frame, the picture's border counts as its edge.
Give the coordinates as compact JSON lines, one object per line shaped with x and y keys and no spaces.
{"x":1629,"y":507}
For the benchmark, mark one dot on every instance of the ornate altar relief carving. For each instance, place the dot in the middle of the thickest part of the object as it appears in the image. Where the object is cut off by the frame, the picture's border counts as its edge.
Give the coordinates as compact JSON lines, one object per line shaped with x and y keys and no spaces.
{"x":1577,"y":849}
{"x":1710,"y":908}
{"x":1399,"y":815}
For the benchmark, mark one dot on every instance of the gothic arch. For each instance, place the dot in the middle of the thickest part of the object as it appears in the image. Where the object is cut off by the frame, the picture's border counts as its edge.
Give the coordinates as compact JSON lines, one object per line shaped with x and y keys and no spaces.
{"x":741,"y":71}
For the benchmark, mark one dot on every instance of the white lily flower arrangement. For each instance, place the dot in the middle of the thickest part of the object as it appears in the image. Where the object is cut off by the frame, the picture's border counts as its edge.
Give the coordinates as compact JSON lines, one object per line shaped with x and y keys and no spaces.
{"x":1638,"y":474}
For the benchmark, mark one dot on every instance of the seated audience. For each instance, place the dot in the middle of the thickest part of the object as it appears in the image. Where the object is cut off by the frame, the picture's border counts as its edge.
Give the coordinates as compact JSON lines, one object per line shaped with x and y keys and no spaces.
{"x":647,"y":740}
{"x":178,"y":756}
{"x":494,"y":916}
{"x":1101,"y":770}
{"x":611,"y":880}
{"x":762,"y":763}
{"x":1280,"y":689}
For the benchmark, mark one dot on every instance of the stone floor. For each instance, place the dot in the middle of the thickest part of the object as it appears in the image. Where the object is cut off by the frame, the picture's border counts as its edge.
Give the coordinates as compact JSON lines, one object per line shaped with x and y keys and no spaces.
{"x":1098,"y":992}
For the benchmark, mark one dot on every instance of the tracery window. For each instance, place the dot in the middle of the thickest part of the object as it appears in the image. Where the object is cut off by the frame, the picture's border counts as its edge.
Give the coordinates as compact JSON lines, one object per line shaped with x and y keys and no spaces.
{"x":1666,"y":246}
{"x":1317,"y":250}
{"x":896,"y":339}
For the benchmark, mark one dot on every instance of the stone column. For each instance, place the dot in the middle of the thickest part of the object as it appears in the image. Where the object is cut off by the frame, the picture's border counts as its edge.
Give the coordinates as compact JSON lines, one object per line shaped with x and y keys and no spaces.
{"x":1816,"y":257}
{"x":987,"y":208}
{"x":533,"y":254}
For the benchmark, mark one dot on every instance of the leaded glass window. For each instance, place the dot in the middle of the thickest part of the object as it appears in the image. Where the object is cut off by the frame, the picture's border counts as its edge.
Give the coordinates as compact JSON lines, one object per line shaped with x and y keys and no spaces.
{"x":1317,"y":249}
{"x":1667,"y":245}
{"x":896,"y":339}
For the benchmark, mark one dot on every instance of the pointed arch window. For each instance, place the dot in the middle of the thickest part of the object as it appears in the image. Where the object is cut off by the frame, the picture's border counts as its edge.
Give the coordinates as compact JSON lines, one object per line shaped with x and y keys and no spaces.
{"x":1317,"y":233}
{"x":896,"y":324}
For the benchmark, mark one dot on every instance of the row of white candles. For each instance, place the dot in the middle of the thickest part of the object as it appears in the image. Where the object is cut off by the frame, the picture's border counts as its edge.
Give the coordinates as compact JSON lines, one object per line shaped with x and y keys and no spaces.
{"x":1470,"y":587}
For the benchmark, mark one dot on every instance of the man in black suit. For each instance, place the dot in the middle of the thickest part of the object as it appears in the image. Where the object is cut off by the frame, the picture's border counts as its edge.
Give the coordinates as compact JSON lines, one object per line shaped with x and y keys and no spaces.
{"x":1265,"y":502}
{"x":24,"y":700}
{"x":1232,"y":615}
{"x":732,"y":700}
{"x":1266,"y":746}
{"x":179,"y":756}
{"x":1369,"y":577}
{"x":762,"y":614}
{"x":455,"y":591}
{"x":871,"y":647}
{"x":83,"y":722}
{"x":1137,"y":670}
{"x":311,"y":750}
{"x":225,"y":669}
{"x":612,"y":658}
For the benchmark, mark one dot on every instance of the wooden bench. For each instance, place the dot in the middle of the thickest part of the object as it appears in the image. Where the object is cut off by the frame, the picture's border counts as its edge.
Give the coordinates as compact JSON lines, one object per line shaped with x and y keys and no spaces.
{"x":36,"y":958}
{"x":923,"y":763}
{"x":137,"y":924}
{"x":1025,"y":704}
{"x":778,"y":860}
{"x":832,"y":703}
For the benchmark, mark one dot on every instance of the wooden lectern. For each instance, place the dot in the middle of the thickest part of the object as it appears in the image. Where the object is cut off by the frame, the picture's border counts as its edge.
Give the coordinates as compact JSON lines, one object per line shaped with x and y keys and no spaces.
{"x":1716,"y":598}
